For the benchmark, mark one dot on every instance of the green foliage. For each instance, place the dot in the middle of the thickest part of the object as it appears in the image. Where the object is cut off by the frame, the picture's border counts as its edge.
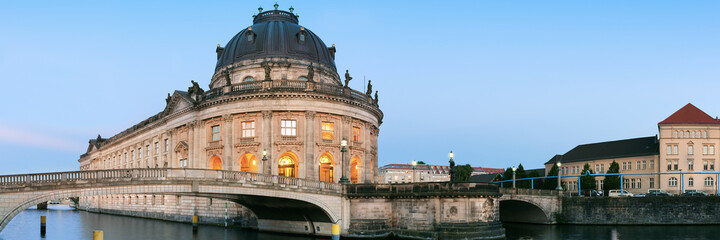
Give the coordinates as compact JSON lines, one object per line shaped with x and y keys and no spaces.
{"x":520,"y":173}
{"x":463,"y":172}
{"x":420,"y":163}
{"x":612,"y":182}
{"x":551,"y":183}
{"x":587,"y":182}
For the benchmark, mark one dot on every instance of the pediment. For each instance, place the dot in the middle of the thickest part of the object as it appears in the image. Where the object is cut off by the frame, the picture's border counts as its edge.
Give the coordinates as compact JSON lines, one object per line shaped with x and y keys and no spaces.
{"x":182,"y":145}
{"x":178,"y":102}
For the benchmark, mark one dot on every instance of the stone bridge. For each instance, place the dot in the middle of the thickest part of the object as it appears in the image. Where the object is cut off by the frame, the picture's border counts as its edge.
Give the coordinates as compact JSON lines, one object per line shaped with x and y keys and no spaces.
{"x":530,"y":205}
{"x":280,"y":203}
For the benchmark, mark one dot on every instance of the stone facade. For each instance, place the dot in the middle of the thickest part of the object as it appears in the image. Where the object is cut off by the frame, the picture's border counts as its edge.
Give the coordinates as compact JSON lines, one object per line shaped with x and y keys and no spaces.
{"x":648,"y":210}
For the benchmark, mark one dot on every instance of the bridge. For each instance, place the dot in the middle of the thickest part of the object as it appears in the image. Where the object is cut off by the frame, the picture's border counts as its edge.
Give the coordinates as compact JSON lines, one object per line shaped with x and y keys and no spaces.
{"x":280,"y":203}
{"x":530,"y":205}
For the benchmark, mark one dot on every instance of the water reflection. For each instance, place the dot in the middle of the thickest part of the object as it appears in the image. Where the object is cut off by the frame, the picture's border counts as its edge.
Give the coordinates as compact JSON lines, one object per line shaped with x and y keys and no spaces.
{"x":603,"y":232}
{"x":65,"y":223}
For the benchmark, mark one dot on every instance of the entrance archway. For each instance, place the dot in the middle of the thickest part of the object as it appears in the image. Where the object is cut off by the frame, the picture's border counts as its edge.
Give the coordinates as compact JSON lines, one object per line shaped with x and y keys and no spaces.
{"x":326,"y":168}
{"x":287,"y":165}
{"x":354,"y":169}
{"x":215,"y":163}
{"x":248,"y":163}
{"x":522,"y":212}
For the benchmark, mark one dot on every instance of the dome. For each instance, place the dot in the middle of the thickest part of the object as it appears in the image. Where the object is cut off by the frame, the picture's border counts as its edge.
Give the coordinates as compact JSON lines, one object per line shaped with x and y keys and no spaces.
{"x":275,"y":33}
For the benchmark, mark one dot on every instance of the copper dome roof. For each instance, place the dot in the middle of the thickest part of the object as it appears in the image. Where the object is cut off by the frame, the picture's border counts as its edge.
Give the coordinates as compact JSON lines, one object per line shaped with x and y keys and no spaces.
{"x":275,"y":33}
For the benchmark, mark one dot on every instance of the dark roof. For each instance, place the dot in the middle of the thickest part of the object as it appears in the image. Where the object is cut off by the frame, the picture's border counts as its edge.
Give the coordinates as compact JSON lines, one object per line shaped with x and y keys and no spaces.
{"x":614,"y":149}
{"x":689,"y":114}
{"x":482,"y":178}
{"x":276,"y":33}
{"x":539,"y":171}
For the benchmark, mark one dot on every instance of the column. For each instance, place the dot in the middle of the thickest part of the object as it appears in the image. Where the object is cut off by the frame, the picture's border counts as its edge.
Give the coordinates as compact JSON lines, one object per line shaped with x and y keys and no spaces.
{"x":346,"y":133}
{"x":172,"y":163}
{"x":191,"y":144}
{"x":228,"y":163}
{"x":201,"y":137}
{"x":267,"y":141}
{"x":311,"y":169}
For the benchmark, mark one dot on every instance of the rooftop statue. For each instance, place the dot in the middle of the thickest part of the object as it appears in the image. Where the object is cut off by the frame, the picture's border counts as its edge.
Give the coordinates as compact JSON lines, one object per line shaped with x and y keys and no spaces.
{"x":376,"y":98}
{"x":347,"y":77}
{"x":311,"y":73}
{"x":369,"y":88}
{"x":266,"y":66}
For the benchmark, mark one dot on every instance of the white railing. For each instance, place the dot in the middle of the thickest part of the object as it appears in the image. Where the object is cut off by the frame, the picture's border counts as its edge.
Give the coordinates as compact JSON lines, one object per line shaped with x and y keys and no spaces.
{"x":169,"y":174}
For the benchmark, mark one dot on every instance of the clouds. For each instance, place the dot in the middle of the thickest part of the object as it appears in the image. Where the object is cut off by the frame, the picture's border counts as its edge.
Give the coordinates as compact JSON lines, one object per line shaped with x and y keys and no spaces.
{"x":25,"y":137}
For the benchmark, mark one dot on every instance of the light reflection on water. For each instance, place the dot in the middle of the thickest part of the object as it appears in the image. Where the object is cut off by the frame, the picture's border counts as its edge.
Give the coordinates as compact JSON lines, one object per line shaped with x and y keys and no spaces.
{"x":65,"y":223}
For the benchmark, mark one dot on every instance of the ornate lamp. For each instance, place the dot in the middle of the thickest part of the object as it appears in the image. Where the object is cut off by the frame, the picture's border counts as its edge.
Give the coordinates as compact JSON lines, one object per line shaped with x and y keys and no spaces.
{"x":559,"y":187}
{"x":343,"y":150}
{"x":514,"y":170}
{"x":414,"y":164}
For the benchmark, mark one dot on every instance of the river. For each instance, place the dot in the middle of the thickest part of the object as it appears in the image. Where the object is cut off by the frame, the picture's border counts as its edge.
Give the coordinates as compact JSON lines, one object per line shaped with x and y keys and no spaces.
{"x":65,"y":223}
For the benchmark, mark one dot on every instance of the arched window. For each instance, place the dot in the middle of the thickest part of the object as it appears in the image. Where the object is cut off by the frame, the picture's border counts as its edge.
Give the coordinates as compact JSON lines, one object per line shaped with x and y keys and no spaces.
{"x":302,"y":78}
{"x":326,"y":168}
{"x":286,"y":165}
{"x":248,"y":79}
{"x":709,"y":181}
{"x":355,"y":169}
{"x":692,"y":134}
{"x":691,"y":182}
{"x":687,"y":134}
{"x":248,"y":163}
{"x":681,"y":134}
{"x":215,"y":163}
{"x":675,"y":134}
{"x":705,"y":134}
{"x":672,"y":182}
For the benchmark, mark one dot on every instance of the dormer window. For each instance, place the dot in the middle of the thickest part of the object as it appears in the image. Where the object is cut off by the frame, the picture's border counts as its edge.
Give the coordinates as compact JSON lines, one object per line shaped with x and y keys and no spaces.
{"x":248,"y":79}
{"x":250,"y":35}
{"x":302,"y":78}
{"x":301,"y":35}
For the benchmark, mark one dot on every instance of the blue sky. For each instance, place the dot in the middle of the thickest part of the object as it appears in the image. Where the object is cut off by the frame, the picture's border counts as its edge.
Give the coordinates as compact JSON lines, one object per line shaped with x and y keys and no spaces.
{"x":497,"y":82}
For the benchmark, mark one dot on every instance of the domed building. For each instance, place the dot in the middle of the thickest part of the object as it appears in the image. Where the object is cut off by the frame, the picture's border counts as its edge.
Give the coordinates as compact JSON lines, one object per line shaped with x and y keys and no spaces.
{"x":275,"y":105}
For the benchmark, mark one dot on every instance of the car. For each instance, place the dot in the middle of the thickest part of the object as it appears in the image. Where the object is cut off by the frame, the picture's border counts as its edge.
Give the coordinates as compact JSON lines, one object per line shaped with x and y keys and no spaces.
{"x":658,"y":191}
{"x":657,"y":194}
{"x":617,"y":193}
{"x":639,"y":195}
{"x":694,"y":193}
{"x":592,"y":193}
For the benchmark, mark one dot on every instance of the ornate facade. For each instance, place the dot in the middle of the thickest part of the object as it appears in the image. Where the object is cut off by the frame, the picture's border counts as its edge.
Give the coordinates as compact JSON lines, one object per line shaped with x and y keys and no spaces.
{"x":275,"y":105}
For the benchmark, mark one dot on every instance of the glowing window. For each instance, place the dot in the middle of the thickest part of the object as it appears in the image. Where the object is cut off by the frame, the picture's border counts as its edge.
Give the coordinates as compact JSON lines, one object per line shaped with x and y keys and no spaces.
{"x":288,"y":127}
{"x":328,"y":130}
{"x":216,"y":133}
{"x":248,"y":129}
{"x":356,"y":134}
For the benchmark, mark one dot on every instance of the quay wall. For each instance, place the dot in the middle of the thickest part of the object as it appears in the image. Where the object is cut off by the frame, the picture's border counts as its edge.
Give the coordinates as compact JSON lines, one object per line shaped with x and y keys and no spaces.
{"x":641,"y":210}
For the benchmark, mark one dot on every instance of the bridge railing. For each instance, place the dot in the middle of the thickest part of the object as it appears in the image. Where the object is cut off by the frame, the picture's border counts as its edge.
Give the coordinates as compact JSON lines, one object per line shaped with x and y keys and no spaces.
{"x":421,"y":188}
{"x":57,"y":178}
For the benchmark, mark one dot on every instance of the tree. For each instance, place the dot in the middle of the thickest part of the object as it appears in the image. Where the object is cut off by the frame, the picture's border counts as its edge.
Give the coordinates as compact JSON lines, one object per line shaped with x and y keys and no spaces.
{"x":520,"y":173}
{"x":463,"y":172}
{"x":538,"y":183}
{"x":587,"y":182}
{"x":612,"y":182}
{"x":420,"y":163}
{"x":551,"y":183}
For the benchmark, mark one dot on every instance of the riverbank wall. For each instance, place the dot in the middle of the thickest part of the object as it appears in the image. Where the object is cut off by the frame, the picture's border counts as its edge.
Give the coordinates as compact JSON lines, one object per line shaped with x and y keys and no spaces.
{"x":643,"y":210}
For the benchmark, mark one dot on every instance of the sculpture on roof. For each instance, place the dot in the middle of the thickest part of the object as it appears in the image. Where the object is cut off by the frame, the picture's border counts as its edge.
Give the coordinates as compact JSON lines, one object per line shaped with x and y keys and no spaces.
{"x":376,"y":98}
{"x":266,"y":66}
{"x":369,"y":88}
{"x":347,"y":77}
{"x":226,"y":72}
{"x":311,"y":73}
{"x":167,"y":100}
{"x":452,"y":170}
{"x":195,"y":89}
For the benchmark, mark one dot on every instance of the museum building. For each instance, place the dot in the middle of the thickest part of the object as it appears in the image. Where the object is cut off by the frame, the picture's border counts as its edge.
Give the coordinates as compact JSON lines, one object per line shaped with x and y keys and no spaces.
{"x":275,"y":105}
{"x":685,"y":144}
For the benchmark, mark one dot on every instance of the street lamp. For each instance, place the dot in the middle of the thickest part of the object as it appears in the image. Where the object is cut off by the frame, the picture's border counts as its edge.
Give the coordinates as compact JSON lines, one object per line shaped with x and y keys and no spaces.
{"x":264,"y":159}
{"x":343,"y":150}
{"x":452,"y":166}
{"x":414,"y":164}
{"x":559,"y":187}
{"x":514,"y":176}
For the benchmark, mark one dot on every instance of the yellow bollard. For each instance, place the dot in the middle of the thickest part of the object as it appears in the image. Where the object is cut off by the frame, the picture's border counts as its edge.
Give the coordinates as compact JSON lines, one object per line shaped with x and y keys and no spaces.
{"x":335,"y":232}
{"x":97,"y":235}
{"x":42,"y":225}
{"x":195,"y":223}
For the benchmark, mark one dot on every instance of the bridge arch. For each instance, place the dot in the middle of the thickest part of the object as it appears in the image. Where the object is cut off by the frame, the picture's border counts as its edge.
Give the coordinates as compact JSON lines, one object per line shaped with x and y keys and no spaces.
{"x":522,"y":211}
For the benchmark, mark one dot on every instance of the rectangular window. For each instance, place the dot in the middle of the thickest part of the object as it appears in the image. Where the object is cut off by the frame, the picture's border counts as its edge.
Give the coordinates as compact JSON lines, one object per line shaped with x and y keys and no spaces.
{"x":183,"y":163}
{"x":638,"y":165}
{"x":600,"y":186}
{"x":644,"y":165}
{"x":669,"y":150}
{"x":690,"y":164}
{"x":328,"y":130}
{"x":248,"y":129}
{"x":167,"y":145}
{"x":652,"y":164}
{"x":356,"y":134}
{"x":629,"y":165}
{"x":132,"y":155}
{"x":147,"y":147}
{"x":712,"y":149}
{"x":675,"y":165}
{"x":675,"y":149}
{"x":624,"y":166}
{"x":157,"y":147}
{"x":669,"y":165}
{"x":712,"y":165}
{"x":288,"y":127}
{"x":597,"y":169}
{"x":690,"y":150}
{"x":652,"y":182}
{"x":140,"y":153}
{"x":602,"y":167}
{"x":705,"y":165}
{"x":216,"y":133}
{"x":626,"y":184}
{"x":705,"y":149}
{"x":632,"y":183}
{"x":639,"y":184}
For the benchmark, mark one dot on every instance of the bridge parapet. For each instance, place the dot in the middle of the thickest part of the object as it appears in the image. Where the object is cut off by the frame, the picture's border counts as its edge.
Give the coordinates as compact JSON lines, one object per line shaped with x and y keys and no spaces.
{"x":425,"y":189}
{"x":56,"y":180}
{"x":527,"y":191}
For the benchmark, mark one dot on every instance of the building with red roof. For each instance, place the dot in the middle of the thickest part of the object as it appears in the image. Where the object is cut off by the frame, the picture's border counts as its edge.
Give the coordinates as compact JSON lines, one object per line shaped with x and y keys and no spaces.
{"x":405,"y":173}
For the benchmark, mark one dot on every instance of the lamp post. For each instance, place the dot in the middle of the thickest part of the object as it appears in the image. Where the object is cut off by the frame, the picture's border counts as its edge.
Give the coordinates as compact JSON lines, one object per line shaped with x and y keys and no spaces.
{"x":452,"y":167}
{"x":343,"y":150}
{"x":514,"y":176}
{"x":264,"y":159}
{"x":414,"y":164}
{"x":559,"y":186}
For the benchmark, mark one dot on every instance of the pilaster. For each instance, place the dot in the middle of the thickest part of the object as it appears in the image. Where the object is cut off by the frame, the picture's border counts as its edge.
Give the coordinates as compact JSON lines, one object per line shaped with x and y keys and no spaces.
{"x":229,"y":154}
{"x":266,"y":142}
{"x":311,"y":169}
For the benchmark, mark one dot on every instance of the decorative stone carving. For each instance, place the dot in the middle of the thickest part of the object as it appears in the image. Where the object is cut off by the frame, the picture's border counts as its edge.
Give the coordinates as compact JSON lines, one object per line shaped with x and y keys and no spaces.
{"x":227,"y":118}
{"x":267,"y":114}
{"x":226,"y":74}
{"x":167,"y":100}
{"x":195,"y":89}
{"x":311,"y":73}
{"x":376,"y":98}
{"x":267,"y":68}
{"x":310,"y":114}
{"x":346,"y":119}
{"x":369,"y":88}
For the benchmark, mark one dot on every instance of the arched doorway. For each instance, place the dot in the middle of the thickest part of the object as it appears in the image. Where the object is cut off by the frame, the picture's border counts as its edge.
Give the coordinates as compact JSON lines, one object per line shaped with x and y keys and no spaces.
{"x":326,"y":168}
{"x":248,"y":163}
{"x":287,"y":165}
{"x":215,"y":163}
{"x":354,"y":169}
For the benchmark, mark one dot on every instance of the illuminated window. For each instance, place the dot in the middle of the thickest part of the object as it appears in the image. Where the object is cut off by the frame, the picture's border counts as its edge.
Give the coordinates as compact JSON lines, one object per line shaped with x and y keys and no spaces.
{"x":356,"y":134}
{"x":216,"y":133}
{"x":639,"y":185}
{"x":248,"y":129}
{"x":672,"y":182}
{"x":288,"y":127}
{"x":328,"y":130}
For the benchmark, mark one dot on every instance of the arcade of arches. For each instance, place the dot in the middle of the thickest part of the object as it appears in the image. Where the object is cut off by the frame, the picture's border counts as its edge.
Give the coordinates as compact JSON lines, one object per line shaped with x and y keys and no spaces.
{"x":215,"y":163}
{"x":354,"y":169}
{"x":326,"y":168}
{"x":248,"y":163}
{"x":287,"y":165}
